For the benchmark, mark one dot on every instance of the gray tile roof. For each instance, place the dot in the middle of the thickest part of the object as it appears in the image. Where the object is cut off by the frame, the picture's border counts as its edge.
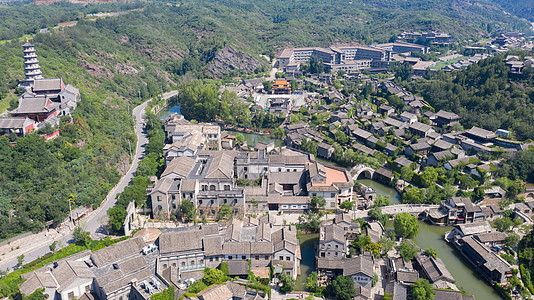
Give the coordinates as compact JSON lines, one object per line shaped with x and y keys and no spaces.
{"x":237,"y":267}
{"x":180,"y":165}
{"x":236,"y":248}
{"x":117,"y":251}
{"x":212,"y":245}
{"x":13,"y":122}
{"x":47,"y":84}
{"x":69,"y":271}
{"x":35,"y":105}
{"x":434,"y":268}
{"x":176,"y":241}
{"x":359,"y":264}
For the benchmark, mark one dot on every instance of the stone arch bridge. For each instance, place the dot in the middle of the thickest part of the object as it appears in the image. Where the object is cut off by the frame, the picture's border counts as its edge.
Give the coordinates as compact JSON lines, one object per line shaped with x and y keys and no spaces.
{"x":368,"y":172}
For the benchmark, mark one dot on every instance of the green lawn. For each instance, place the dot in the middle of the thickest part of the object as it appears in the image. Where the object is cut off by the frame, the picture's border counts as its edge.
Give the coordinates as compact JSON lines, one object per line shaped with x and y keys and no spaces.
{"x":442,"y":64}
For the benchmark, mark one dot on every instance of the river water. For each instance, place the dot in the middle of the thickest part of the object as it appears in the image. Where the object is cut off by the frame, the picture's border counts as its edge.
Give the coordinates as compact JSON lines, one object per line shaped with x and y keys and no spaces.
{"x":163,"y":114}
{"x":252,"y":139}
{"x":431,"y":236}
{"x":307,"y":264}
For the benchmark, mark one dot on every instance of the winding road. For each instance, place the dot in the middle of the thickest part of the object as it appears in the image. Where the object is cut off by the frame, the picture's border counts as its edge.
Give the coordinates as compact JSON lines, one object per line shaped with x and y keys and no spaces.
{"x":94,"y":223}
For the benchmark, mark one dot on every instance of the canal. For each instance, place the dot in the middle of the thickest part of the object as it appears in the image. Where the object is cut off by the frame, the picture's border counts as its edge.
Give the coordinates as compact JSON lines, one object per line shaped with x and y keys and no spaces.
{"x":431,"y":236}
{"x":252,"y":139}
{"x":307,"y":264}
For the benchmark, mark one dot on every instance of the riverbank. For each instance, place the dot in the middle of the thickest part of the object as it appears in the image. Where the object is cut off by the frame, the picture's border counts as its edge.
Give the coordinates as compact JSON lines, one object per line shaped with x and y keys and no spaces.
{"x":432,"y":236}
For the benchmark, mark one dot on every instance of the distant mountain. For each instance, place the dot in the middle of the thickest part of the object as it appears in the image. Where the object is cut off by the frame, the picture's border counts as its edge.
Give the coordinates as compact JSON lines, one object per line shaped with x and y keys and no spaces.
{"x":520,"y":8}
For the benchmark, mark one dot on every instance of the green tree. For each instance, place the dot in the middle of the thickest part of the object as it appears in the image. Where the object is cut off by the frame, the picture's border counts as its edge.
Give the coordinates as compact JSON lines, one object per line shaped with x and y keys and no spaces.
{"x":20,"y":260}
{"x":239,"y":139}
{"x":80,"y":236}
{"x":116,"y":215}
{"x":212,"y":276}
{"x":429,"y":177}
{"x":512,"y":239}
{"x":431,"y":252}
{"x":267,"y":86}
{"x":363,"y":242}
{"x":53,"y":246}
{"x":407,"y":251}
{"x":343,"y":288}
{"x":406,"y":225}
{"x":310,"y":221}
{"x":317,"y":203}
{"x":197,"y":287}
{"x":503,"y":224}
{"x":225,"y":212}
{"x":412,"y":195}
{"x":403,"y":71}
{"x":312,"y":282}
{"x":406,"y":173}
{"x":167,"y":294}
{"x":376,"y":214}
{"x":478,"y":194}
{"x":374,"y":281}
{"x":382,"y":200}
{"x":288,"y":283}
{"x":387,"y":245}
{"x":422,"y":290}
{"x":347,"y":205}
{"x":188,"y":211}
{"x":316,"y":67}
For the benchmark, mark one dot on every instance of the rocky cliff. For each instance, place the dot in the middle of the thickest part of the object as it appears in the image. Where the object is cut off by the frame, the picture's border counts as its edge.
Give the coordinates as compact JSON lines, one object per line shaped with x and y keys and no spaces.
{"x":228,"y":60}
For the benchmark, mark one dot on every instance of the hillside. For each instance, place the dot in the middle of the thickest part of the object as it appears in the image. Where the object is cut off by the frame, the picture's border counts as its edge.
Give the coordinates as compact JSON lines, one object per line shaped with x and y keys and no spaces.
{"x":520,"y":8}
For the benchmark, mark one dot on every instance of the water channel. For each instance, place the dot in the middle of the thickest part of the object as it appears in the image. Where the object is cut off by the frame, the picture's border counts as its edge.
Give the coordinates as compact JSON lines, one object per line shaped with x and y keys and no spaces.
{"x":431,"y":236}
{"x":307,"y":264}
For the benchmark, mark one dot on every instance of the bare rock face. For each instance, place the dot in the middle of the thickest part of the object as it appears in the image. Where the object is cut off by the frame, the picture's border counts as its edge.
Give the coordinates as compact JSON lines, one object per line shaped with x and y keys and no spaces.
{"x":229,"y":60}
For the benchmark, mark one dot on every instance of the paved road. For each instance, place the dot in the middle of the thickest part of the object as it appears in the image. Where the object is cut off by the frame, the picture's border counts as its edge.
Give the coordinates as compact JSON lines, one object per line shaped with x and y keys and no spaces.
{"x":94,"y":221}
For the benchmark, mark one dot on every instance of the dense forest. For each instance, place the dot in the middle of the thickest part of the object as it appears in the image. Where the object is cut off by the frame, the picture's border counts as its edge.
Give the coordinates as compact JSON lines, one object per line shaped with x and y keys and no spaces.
{"x":485,"y":95}
{"x":520,"y":8}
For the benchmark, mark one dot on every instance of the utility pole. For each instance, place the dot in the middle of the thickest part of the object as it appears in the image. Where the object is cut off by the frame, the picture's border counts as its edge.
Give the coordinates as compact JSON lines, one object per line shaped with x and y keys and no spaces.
{"x":70,"y":209}
{"x":130,"y":146}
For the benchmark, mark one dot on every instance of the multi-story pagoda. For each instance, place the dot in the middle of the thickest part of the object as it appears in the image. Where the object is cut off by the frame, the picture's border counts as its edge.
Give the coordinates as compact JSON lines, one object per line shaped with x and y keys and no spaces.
{"x":32,"y":70}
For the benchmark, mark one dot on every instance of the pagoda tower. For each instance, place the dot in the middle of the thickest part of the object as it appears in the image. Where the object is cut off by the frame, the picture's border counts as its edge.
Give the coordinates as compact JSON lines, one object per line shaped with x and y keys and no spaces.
{"x":31,"y":64}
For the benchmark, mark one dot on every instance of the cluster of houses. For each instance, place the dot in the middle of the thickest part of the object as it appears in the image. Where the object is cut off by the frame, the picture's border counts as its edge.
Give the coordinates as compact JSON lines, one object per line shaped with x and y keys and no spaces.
{"x":502,"y":41}
{"x":137,"y":269}
{"x":517,"y":65}
{"x":44,"y":101}
{"x":204,"y":167}
{"x":333,"y":258}
{"x":416,"y":137}
{"x":477,"y":242}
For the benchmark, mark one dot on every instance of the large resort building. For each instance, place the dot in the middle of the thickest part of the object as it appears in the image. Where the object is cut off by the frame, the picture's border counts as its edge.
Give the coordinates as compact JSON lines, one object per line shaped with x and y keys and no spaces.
{"x":348,"y":58}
